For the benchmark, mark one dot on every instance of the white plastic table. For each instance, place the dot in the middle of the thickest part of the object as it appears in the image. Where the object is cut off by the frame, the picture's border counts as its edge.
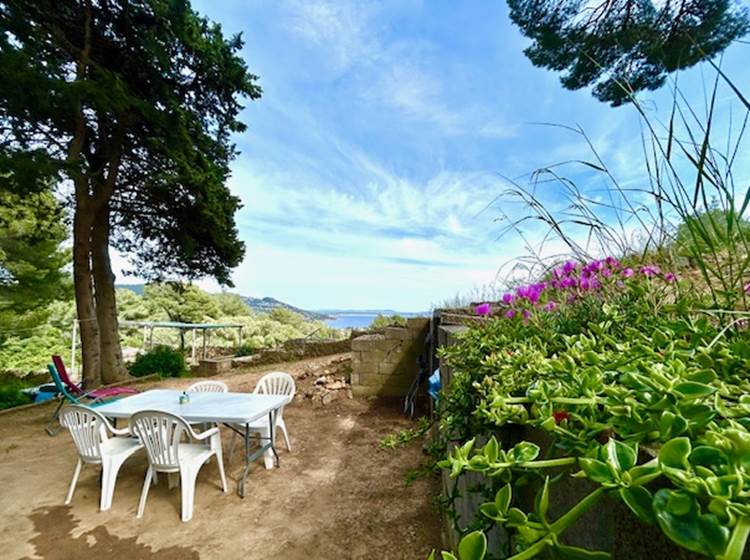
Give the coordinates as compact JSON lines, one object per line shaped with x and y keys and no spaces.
{"x":230,"y":409}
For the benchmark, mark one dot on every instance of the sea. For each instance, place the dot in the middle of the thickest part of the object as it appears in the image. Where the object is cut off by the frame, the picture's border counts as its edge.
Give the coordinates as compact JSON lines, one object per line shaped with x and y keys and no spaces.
{"x":350,"y":321}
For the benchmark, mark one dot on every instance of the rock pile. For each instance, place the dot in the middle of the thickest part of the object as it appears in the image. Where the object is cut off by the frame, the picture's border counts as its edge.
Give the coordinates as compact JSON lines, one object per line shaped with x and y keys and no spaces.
{"x":325,"y":385}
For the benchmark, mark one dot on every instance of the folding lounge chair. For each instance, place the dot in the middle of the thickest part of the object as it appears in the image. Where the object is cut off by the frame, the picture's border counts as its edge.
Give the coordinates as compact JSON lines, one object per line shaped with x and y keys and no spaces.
{"x":101,"y":393}
{"x":92,"y":398}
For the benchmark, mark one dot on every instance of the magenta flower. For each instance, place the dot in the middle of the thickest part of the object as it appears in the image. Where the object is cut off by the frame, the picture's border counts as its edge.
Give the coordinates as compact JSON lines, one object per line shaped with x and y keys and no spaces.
{"x":628,"y":272}
{"x":507,"y":299}
{"x":612,"y":262}
{"x":569,"y":267}
{"x":650,"y":270}
{"x":606,"y":273}
{"x":483,"y":309}
{"x":526,"y":313}
{"x":584,"y":284}
{"x":551,"y":306}
{"x":747,"y":288}
{"x":510,"y":313}
{"x":670,"y":277}
{"x":569,"y":282}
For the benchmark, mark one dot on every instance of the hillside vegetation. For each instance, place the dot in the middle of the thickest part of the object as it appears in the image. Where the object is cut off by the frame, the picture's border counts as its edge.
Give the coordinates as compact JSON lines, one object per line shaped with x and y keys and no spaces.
{"x":28,"y":350}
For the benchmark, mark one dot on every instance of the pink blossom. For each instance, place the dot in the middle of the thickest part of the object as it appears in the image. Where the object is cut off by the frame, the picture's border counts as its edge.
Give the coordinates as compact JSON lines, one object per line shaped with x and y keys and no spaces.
{"x":507,"y":299}
{"x":510,"y":313}
{"x":569,"y":282}
{"x":628,"y":272}
{"x":483,"y":309}
{"x":551,"y":306}
{"x":747,"y":288}
{"x":526,"y":313}
{"x":670,"y":277}
{"x":569,"y":267}
{"x":612,"y":262}
{"x":606,"y":273}
{"x":650,"y":270}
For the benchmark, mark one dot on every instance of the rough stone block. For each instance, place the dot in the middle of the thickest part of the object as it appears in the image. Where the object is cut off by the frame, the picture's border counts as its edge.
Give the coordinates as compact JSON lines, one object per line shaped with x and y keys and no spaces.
{"x":371,"y":379}
{"x":214,"y":366}
{"x":417,"y":323}
{"x":366,"y":367}
{"x":396,"y":333}
{"x":365,"y":342}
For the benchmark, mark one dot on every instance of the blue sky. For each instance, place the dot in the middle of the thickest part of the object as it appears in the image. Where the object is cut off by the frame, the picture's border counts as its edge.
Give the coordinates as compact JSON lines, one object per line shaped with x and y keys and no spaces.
{"x":370,"y":165}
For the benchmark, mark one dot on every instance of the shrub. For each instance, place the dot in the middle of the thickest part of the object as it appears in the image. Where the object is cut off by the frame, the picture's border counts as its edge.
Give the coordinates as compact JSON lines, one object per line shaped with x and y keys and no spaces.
{"x":162,"y":360}
{"x":382,"y":321}
{"x":11,"y":395}
{"x":246,"y":349}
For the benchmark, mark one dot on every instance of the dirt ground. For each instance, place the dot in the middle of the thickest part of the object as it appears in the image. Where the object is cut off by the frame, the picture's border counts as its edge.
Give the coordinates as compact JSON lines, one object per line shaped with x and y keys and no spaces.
{"x":336,"y":495}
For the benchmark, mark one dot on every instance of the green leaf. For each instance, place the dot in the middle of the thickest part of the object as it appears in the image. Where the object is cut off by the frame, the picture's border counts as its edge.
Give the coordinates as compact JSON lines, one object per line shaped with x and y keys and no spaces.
{"x":638,"y":499}
{"x":448,"y":556}
{"x":489,"y":509}
{"x":473,"y":546}
{"x":671,"y":424}
{"x":675,"y":453}
{"x":503,"y":498}
{"x":709,"y":457}
{"x":620,"y":455}
{"x":491,"y":450}
{"x":516,"y":517}
{"x":596,"y":470}
{"x":694,"y":390}
{"x":643,"y":474}
{"x":524,"y":452}
{"x":679,"y":516}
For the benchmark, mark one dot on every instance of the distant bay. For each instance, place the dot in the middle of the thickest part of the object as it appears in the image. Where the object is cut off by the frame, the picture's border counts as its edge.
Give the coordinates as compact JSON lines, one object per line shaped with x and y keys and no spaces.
{"x":350,"y":321}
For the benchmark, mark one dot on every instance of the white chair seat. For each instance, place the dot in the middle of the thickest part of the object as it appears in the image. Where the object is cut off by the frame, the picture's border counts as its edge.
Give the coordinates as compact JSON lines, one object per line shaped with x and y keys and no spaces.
{"x":194,"y":452}
{"x":119,"y":445}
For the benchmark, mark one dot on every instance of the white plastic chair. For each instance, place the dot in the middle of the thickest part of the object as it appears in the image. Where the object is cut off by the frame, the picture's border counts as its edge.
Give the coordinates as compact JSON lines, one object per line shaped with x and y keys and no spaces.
{"x":90,"y":432}
{"x":208,"y":387}
{"x":162,"y":435}
{"x":274,"y":383}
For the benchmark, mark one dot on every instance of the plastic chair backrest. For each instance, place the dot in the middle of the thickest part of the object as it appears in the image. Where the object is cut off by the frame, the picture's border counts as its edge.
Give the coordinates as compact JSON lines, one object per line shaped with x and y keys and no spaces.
{"x":208,"y":387}
{"x":276,"y":383}
{"x":59,"y":384}
{"x":161,"y":434}
{"x":88,"y":429}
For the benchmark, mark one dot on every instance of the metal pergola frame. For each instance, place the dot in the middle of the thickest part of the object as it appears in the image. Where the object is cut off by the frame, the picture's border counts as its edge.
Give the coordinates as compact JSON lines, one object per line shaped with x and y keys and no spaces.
{"x":205,"y":328}
{"x":148,"y":334}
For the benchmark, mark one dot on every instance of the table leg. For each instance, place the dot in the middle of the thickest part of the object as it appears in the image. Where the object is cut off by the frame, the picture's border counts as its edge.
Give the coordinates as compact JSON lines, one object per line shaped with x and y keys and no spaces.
{"x":272,"y":424}
{"x":241,"y":485}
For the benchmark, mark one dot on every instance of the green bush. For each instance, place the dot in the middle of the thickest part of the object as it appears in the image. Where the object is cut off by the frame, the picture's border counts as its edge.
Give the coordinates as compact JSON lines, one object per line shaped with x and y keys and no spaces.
{"x":162,"y":360}
{"x":246,"y":349}
{"x":11,"y":395}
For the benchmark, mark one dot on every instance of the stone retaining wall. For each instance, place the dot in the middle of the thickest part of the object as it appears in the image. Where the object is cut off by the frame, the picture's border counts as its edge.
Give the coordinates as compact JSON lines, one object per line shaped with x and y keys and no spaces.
{"x":385,"y":363}
{"x":293,"y":350}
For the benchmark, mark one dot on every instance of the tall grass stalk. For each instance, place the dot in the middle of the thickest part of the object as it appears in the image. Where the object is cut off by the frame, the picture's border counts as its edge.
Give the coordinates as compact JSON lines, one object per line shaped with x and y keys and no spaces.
{"x":688,"y":210}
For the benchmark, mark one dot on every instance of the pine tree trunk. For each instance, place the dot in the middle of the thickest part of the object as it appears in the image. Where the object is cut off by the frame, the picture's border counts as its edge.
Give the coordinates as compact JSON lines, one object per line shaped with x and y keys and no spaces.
{"x":85,"y":306}
{"x":112,"y":367}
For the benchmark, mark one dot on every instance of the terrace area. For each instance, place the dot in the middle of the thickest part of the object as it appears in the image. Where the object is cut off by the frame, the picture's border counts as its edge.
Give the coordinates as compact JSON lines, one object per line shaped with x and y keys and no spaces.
{"x":336,"y":495}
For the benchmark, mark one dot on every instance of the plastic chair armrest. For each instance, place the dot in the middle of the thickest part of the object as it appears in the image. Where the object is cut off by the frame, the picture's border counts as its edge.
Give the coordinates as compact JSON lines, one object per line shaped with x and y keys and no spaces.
{"x":203,"y":435}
